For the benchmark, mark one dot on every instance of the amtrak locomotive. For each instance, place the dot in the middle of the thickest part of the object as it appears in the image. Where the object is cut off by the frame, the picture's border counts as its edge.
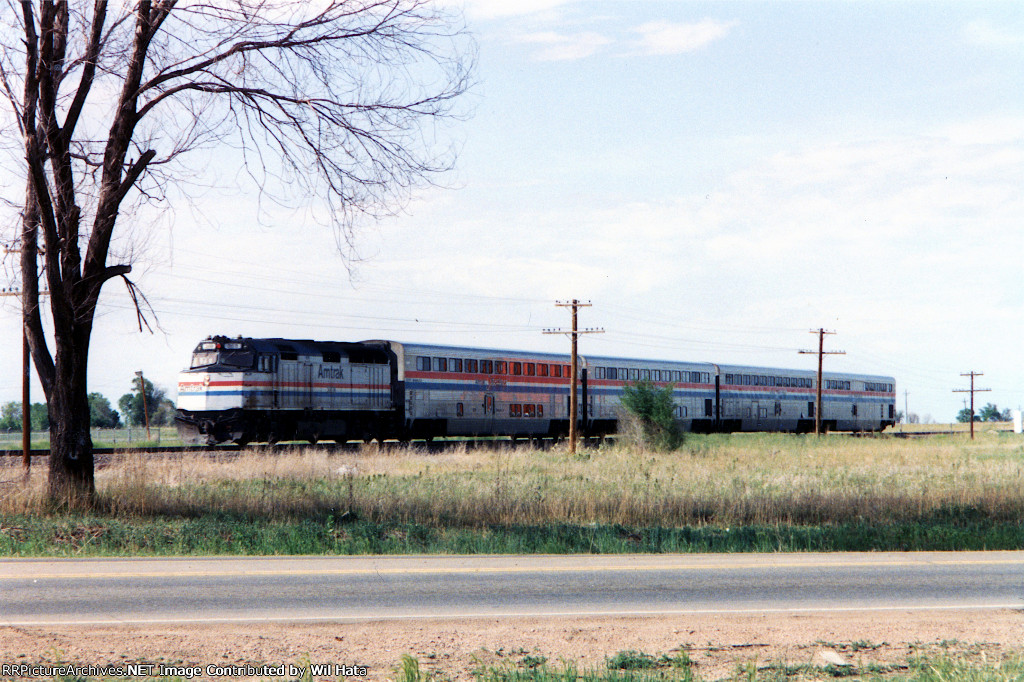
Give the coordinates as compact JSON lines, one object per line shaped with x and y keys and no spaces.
{"x":266,"y":390}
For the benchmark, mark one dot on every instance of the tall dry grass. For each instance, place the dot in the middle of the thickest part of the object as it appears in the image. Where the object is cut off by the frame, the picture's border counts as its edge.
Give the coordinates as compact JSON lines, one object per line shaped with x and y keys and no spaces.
{"x":728,"y":480}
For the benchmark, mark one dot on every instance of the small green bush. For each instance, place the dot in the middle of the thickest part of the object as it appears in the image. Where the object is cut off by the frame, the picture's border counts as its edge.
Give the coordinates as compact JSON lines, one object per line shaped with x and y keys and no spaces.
{"x":650,"y":416}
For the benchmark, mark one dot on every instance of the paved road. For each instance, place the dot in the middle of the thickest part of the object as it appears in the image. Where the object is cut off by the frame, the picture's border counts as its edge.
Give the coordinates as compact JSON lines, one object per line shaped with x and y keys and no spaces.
{"x":97,"y":591}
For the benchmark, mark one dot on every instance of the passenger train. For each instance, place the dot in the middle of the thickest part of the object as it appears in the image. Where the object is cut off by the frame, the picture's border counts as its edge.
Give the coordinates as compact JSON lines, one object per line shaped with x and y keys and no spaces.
{"x":266,"y":390}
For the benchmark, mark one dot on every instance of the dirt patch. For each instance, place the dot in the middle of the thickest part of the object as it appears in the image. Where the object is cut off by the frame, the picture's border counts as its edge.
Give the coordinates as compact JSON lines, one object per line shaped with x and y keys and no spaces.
{"x":455,"y":647}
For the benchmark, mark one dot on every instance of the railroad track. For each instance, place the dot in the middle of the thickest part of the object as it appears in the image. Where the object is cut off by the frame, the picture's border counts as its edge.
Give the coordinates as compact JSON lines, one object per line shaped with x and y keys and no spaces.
{"x":431,"y":446}
{"x":165,"y":449}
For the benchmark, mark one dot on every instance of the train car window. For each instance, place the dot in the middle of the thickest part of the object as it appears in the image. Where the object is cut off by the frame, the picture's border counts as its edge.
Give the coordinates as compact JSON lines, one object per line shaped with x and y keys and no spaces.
{"x":500,"y":367}
{"x":515,"y":410}
{"x":707,"y":407}
{"x":542,"y":370}
{"x":471,"y":366}
{"x":440,"y":364}
{"x":853,"y":409}
{"x":778,"y":409}
{"x":454,"y":364}
{"x":531,"y":369}
{"x":556,"y":370}
{"x":459,"y":409}
{"x":656,"y":374}
{"x":528,"y":411}
{"x":517,"y":368}
{"x":487,"y":366}
{"x":540,"y":410}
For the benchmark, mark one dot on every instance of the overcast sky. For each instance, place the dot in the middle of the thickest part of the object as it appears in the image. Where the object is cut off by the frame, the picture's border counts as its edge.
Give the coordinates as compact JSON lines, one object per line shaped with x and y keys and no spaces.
{"x":717,"y":178}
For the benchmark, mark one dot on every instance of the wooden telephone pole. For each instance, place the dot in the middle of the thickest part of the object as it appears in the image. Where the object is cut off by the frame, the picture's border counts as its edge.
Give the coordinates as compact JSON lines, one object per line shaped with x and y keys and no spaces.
{"x":26,"y":407}
{"x":821,"y":352}
{"x":972,"y":390}
{"x":574,"y":371}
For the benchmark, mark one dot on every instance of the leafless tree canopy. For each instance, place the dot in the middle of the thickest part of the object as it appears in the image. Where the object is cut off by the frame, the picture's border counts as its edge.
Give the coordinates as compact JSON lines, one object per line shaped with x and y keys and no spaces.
{"x":336,"y":100}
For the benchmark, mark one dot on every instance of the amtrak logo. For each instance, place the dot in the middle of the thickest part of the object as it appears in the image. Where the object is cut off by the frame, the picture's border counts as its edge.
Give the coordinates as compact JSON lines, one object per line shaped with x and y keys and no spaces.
{"x":330,"y":373}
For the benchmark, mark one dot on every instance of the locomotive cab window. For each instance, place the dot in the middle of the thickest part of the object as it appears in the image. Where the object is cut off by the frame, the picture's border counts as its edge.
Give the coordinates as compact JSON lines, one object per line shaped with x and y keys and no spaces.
{"x":237,"y":358}
{"x":204,"y":359}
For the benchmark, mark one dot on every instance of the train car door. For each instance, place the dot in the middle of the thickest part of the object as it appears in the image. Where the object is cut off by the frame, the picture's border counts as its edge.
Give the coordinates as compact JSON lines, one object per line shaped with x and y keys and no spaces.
{"x":488,"y":413}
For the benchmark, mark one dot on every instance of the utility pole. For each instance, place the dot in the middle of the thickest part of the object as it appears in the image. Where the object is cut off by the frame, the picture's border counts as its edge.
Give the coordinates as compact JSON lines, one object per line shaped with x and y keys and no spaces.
{"x":972,"y":390}
{"x":145,"y":409}
{"x":26,"y":407}
{"x":906,"y":409}
{"x":821,"y":352}
{"x":26,"y":378}
{"x":574,"y":371}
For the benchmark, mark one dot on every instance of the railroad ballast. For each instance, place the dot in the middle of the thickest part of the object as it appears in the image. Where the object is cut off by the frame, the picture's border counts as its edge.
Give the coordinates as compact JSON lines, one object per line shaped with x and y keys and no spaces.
{"x":266,"y":390}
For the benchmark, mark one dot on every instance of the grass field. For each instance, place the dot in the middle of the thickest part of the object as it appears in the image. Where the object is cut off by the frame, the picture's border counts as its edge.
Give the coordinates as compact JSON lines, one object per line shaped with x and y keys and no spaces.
{"x":718,"y":493}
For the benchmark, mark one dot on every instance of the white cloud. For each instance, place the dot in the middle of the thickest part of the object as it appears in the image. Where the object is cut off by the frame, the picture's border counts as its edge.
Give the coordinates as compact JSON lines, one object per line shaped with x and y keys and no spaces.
{"x":663,"y":37}
{"x":981,"y":32}
{"x":563,"y":47}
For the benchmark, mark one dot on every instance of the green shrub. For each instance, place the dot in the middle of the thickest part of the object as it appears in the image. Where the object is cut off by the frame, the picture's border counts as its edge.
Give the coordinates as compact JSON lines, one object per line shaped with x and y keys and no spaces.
{"x":650,"y":416}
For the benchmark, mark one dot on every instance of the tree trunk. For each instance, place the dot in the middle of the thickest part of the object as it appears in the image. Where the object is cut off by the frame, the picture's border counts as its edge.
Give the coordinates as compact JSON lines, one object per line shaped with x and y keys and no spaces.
{"x":71,"y":480}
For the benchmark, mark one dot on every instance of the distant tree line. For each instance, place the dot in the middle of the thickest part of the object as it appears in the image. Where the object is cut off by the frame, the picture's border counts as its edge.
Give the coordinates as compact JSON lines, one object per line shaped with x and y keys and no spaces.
{"x":101,"y":414}
{"x":989,"y":413}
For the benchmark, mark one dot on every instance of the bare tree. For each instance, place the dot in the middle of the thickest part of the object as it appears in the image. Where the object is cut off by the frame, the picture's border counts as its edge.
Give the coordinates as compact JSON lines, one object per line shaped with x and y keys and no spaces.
{"x":340,"y":99}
